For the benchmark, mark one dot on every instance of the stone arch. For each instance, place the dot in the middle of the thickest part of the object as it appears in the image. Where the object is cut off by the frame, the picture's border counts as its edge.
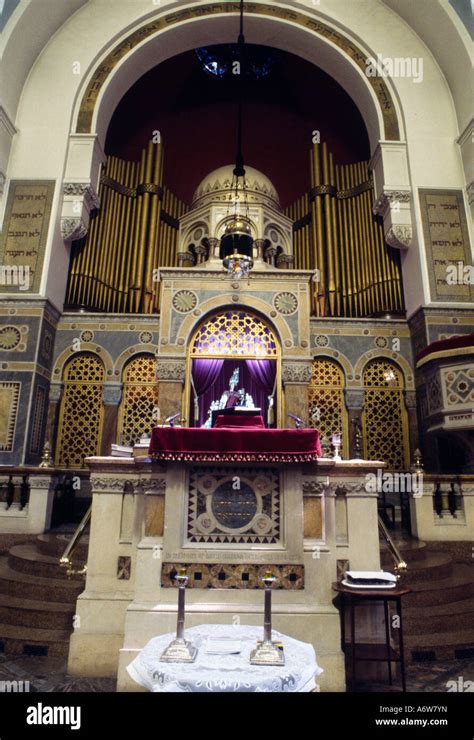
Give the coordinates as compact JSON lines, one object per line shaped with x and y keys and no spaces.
{"x":344,"y":58}
{"x":81,"y":414}
{"x":128,"y":355}
{"x":394,"y":357}
{"x":139,"y":397}
{"x":245,"y":302}
{"x":69,"y":352}
{"x":327,"y":353}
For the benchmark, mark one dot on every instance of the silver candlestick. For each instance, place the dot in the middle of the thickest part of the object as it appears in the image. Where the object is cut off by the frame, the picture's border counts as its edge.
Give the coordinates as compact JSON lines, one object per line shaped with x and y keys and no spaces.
{"x":336,"y":441}
{"x":180,"y":650}
{"x":267,"y":652}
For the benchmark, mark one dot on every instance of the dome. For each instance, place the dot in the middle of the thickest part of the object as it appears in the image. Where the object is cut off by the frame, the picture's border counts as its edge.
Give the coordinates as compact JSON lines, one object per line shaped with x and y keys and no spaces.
{"x":216,"y":185}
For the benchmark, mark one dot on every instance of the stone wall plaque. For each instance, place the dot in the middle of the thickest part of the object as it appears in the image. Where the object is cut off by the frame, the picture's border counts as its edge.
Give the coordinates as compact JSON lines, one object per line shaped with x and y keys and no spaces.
{"x":447,"y":244}
{"x":24,"y":235}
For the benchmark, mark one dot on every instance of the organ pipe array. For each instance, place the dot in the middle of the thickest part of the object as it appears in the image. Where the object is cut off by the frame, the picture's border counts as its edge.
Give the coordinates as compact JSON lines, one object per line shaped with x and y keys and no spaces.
{"x":135,"y":232}
{"x":336,"y":233}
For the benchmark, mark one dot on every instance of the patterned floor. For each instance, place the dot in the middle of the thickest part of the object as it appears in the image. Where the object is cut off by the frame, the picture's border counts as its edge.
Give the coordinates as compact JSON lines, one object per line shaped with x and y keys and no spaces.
{"x":49,"y":674}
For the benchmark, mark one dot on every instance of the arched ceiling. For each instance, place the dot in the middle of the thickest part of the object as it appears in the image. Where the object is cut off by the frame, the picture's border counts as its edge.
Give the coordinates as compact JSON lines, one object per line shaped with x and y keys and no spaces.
{"x":196,"y":116}
{"x":33,"y":24}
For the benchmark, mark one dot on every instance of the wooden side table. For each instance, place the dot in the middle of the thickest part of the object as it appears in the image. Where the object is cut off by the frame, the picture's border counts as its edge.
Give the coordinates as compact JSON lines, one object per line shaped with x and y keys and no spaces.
{"x":381,"y":652}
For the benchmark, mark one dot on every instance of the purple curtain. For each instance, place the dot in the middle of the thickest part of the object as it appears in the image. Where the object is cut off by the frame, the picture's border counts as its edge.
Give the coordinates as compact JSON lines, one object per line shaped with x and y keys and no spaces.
{"x":205,"y":373}
{"x":263,"y":372}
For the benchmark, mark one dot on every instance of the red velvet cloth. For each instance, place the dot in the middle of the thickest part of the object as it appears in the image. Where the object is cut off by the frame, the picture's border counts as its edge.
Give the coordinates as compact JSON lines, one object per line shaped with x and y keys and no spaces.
{"x":466,"y":340}
{"x":238,"y":444}
{"x":235,"y":420}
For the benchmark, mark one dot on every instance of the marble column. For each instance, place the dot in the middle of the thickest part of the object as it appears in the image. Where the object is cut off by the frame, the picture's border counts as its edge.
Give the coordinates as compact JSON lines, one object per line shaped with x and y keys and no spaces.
{"x":52,"y":419}
{"x":410,"y":404}
{"x":296,"y":378}
{"x":354,"y":398}
{"x":111,"y":397}
{"x":170,"y":374}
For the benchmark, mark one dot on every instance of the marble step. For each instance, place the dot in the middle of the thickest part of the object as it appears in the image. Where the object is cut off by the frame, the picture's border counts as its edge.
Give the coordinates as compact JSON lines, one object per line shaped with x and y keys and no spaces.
{"x":455,"y":615}
{"x":34,"y":613}
{"x":459,"y":585}
{"x":442,"y":645}
{"x":435,"y":566}
{"x":27,"y":586}
{"x":411,"y":550}
{"x":26,"y":559}
{"x":55,"y":544}
{"x":19,"y":640}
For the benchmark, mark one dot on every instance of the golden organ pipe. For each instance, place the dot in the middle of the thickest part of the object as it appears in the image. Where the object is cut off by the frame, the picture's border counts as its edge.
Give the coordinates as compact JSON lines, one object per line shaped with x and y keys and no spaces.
{"x":128,"y":265}
{"x":94,"y":254}
{"x":353,"y":246}
{"x":366,"y":242}
{"x":351,"y":253}
{"x":333,"y":226}
{"x":137,"y":246}
{"x":319,"y":232}
{"x":103,"y":286}
{"x":122,"y":241}
{"x":125,"y":242}
{"x":111,"y":277}
{"x":153,"y":219}
{"x":342,"y":248}
{"x":96,"y":266}
{"x":362,"y":250}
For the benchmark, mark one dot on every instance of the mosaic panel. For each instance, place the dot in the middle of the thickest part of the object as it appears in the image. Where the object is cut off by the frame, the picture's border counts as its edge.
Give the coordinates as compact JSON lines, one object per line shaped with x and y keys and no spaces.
{"x":9,"y":395}
{"x":233,"y":505}
{"x":242,"y":576}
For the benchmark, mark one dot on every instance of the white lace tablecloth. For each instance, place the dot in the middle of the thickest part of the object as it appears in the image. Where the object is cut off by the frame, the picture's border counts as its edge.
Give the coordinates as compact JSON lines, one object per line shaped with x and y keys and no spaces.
{"x":229,"y":673}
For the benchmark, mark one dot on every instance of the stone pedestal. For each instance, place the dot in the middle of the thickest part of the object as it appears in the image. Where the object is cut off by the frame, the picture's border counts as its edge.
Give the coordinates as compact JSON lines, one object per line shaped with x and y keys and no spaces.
{"x":149,"y":519}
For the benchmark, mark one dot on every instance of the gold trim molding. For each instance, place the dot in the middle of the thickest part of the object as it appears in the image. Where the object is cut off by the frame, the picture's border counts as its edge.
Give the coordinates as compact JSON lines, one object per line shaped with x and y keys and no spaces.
{"x":356,"y":54}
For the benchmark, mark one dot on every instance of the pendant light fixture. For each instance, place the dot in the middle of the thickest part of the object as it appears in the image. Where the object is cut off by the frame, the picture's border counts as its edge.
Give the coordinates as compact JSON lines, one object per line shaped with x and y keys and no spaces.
{"x":237,"y":240}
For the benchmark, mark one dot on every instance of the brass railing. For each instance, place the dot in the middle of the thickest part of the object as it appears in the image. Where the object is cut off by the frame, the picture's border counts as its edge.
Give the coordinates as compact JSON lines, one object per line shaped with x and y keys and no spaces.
{"x":67,"y":556}
{"x":400,"y":564}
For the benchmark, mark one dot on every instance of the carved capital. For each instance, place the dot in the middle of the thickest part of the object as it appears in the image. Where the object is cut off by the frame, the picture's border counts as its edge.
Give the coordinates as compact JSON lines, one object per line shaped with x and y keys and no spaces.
{"x":73,"y":229}
{"x":410,"y":399}
{"x":112,"y":394}
{"x":152,"y":486}
{"x":122,"y":485}
{"x":170,"y":370}
{"x":297,"y":372}
{"x":354,"y":399}
{"x":390,"y":200}
{"x":55,"y":392}
{"x":82,"y":190}
{"x":399,"y":236}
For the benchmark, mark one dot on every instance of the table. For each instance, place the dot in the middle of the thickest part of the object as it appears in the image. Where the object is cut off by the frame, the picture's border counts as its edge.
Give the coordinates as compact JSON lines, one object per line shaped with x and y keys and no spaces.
{"x":372,"y":651}
{"x":237,"y":444}
{"x":226,"y":673}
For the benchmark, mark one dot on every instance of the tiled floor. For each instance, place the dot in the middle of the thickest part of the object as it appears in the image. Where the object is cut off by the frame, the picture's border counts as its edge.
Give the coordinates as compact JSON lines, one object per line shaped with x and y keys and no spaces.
{"x":49,"y":674}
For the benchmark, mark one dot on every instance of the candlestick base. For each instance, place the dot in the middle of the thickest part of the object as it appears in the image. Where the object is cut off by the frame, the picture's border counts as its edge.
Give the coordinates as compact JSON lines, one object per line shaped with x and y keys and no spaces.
{"x":179,"y":651}
{"x":267,"y":653}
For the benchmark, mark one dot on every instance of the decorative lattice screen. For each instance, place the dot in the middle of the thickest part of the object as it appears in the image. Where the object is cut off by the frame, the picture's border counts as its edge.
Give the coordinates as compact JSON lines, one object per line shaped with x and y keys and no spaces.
{"x":327,"y":411}
{"x":140,"y":397}
{"x":80,"y":424}
{"x":384,"y":416}
{"x":235,"y":333}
